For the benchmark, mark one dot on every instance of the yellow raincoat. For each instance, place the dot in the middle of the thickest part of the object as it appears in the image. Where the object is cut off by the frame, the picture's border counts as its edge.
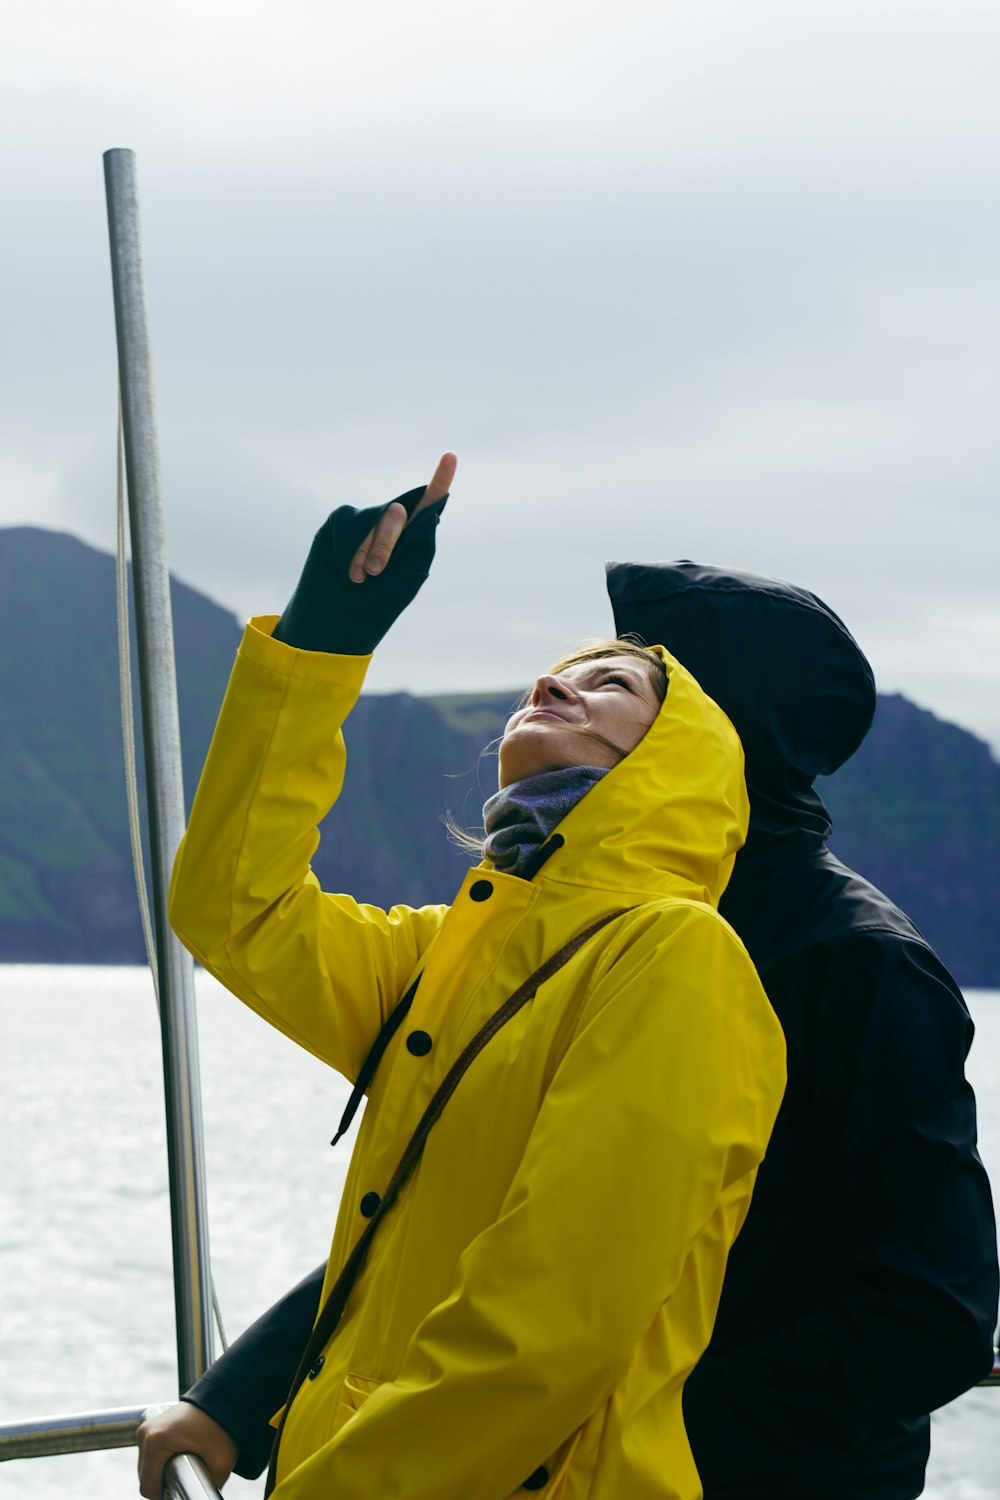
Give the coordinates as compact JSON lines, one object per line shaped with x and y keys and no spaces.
{"x":531,"y":1306}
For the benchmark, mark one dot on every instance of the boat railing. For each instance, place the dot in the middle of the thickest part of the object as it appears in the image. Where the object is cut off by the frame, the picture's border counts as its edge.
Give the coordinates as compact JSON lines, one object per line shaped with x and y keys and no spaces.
{"x":172,"y":968}
{"x":185,"y":1477}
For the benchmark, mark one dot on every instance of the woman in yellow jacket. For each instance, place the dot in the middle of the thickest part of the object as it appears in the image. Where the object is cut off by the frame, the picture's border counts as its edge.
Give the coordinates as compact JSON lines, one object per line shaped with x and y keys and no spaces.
{"x":528,"y":1310}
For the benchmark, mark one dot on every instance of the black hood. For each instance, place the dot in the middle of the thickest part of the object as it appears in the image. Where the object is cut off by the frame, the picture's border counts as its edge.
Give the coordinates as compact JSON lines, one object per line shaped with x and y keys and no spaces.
{"x":777,"y":659}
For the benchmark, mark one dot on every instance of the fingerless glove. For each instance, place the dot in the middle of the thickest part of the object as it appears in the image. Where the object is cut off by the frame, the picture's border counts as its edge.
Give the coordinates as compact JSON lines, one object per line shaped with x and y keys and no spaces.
{"x":327,"y":612}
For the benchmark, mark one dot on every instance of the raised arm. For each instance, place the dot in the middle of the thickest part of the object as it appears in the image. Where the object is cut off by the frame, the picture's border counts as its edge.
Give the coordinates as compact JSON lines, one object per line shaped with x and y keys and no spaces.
{"x":323,"y":968}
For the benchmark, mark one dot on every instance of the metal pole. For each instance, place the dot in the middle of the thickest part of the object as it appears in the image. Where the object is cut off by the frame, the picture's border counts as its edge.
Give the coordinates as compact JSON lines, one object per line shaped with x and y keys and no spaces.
{"x":73,"y":1432}
{"x":184,"y":1477}
{"x":164,"y":789}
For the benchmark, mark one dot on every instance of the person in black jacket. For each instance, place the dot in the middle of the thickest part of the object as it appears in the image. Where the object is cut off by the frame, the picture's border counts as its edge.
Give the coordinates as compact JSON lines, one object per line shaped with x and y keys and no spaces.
{"x":862,"y":1291}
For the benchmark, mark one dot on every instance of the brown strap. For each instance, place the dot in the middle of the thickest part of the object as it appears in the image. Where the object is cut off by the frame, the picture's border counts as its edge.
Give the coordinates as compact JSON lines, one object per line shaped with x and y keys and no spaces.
{"x":335,"y":1303}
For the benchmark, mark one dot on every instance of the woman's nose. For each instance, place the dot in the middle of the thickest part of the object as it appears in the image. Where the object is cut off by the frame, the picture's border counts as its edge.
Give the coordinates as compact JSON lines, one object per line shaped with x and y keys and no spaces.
{"x":550,"y":687}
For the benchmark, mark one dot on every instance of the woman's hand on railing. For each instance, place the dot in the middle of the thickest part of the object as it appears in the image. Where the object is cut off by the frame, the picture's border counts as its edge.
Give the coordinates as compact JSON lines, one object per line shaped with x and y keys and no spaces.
{"x":182,"y":1429}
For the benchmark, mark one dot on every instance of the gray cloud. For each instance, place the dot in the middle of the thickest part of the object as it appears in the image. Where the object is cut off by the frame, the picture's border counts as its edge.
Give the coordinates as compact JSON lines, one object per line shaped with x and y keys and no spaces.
{"x":715,"y":281}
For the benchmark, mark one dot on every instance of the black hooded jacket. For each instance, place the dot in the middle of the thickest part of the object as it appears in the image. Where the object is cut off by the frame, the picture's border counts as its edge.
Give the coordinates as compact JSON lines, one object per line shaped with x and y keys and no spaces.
{"x":862,"y":1291}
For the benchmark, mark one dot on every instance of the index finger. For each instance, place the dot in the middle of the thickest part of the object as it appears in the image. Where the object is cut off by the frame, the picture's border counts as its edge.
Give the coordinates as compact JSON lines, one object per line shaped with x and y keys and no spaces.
{"x":380,"y":541}
{"x":440,"y":484}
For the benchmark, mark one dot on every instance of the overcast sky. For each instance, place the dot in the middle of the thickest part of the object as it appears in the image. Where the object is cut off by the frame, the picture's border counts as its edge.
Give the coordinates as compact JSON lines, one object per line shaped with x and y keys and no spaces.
{"x":705,"y":278}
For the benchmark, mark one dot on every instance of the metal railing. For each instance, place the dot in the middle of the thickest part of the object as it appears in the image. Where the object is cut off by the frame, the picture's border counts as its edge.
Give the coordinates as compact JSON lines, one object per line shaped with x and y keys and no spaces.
{"x":184,"y":1478}
{"x":82,"y":1432}
{"x":174,"y":967}
{"x":72,"y":1432}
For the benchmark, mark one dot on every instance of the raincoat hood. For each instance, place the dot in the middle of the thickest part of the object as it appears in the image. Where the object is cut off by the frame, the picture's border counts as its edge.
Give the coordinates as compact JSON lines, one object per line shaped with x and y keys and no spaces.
{"x":777,"y":659}
{"x":671,"y":816}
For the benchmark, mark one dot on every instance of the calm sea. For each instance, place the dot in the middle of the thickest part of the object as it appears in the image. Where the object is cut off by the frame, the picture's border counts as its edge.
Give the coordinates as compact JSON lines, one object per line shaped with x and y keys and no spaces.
{"x":86,"y":1308}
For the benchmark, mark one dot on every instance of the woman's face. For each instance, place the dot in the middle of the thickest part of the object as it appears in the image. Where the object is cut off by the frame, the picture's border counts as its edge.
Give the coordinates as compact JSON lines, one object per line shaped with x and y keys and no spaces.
{"x":591,"y":714}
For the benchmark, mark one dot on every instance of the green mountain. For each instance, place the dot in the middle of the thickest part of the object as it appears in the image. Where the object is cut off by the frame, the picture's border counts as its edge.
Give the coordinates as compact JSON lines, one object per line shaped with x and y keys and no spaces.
{"x":917,"y":809}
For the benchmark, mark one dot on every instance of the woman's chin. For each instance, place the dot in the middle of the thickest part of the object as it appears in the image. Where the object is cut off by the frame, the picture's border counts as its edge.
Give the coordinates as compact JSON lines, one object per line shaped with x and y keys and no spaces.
{"x":535,"y":747}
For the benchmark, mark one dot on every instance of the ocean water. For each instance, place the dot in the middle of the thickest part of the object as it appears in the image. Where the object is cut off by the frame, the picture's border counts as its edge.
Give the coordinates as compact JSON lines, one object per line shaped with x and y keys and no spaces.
{"x":86,"y":1303}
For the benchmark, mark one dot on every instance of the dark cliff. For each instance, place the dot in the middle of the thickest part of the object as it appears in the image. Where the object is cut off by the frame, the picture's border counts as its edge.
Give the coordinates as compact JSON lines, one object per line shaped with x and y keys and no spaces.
{"x":917,"y":810}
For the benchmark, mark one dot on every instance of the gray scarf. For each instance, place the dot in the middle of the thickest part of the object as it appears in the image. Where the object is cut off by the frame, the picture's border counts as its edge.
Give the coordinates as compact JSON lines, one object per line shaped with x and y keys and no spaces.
{"x":520,"y":817}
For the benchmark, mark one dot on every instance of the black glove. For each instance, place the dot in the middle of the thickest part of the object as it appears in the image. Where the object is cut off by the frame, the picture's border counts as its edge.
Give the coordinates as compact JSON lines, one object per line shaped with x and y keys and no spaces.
{"x":327,"y":612}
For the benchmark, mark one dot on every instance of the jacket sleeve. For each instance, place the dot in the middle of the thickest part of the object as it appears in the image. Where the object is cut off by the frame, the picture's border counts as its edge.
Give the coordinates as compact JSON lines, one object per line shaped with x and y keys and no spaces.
{"x":324,"y":969}
{"x":634,"y":1181}
{"x":247,"y":1384}
{"x":905,"y":1323}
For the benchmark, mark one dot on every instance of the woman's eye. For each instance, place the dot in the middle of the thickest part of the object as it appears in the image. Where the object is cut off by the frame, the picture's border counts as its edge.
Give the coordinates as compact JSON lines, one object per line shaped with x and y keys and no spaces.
{"x":619,"y":682}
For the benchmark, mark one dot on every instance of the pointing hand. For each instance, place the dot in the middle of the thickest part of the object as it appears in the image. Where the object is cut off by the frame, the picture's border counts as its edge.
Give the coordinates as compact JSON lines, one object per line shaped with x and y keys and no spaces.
{"x":376,"y":549}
